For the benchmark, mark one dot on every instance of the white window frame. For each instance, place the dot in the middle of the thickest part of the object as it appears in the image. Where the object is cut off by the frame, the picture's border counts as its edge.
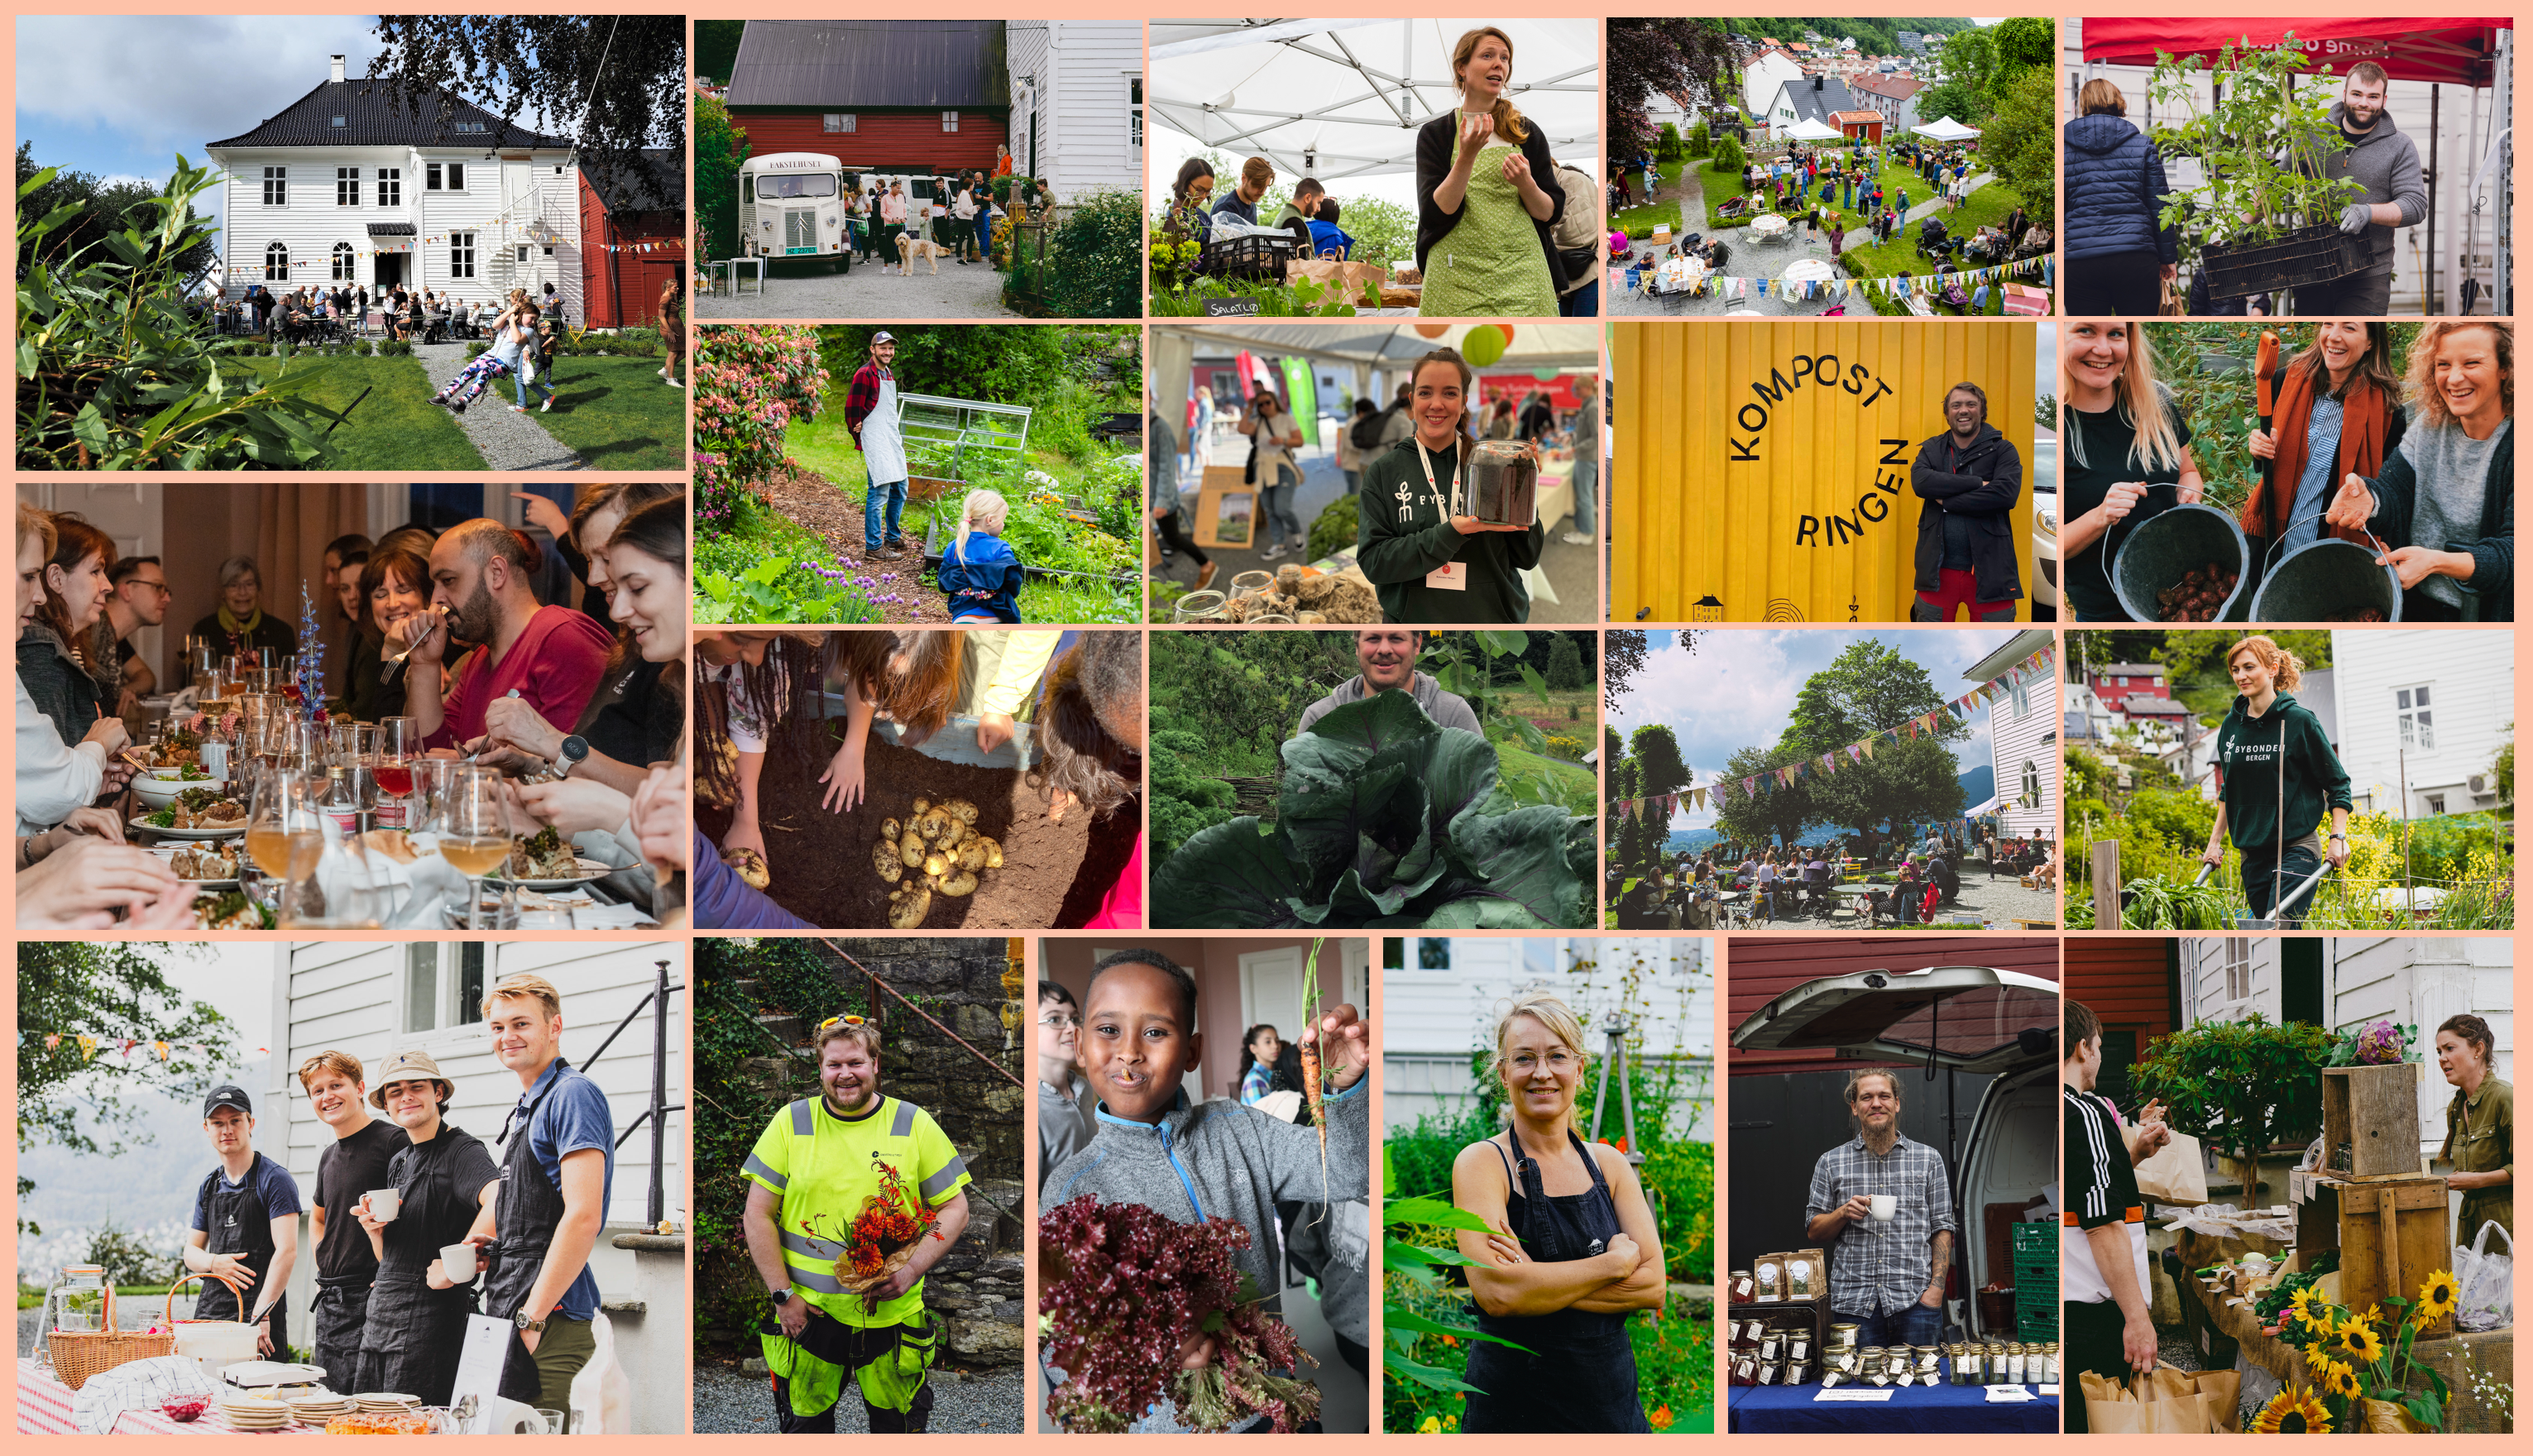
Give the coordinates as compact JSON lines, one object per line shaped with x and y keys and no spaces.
{"x":346,"y":263}
{"x":276,"y":187}
{"x":1135,"y":110}
{"x":443,"y":177}
{"x":2234,"y":955}
{"x":840,"y":123}
{"x":277,"y":272}
{"x":347,"y":186}
{"x":390,"y":186}
{"x":949,"y":121}
{"x":2035,"y":787}
{"x":2417,"y":715}
{"x":461,"y":255}
{"x":447,"y":1012}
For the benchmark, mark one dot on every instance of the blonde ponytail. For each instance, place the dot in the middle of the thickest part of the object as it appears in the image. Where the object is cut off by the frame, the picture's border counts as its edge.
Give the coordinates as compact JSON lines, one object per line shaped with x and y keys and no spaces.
{"x":983,"y":510}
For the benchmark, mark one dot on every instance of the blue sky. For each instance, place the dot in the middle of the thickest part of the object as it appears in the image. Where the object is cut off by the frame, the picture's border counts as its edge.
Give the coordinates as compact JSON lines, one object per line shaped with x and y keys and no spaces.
{"x":1740,"y":687}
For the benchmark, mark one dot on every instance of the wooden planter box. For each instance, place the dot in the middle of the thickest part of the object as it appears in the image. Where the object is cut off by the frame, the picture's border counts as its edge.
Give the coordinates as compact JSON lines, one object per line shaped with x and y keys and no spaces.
{"x":2370,"y":1121}
{"x":2393,"y":1233}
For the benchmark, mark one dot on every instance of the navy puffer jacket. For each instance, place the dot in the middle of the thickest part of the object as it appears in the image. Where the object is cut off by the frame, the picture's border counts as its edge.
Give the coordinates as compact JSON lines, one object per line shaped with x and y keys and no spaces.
{"x":2114,"y":190}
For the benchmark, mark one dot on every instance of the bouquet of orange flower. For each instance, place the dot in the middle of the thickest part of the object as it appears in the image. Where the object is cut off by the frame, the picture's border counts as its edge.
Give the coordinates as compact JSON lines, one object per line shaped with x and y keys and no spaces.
{"x":883,"y":1236}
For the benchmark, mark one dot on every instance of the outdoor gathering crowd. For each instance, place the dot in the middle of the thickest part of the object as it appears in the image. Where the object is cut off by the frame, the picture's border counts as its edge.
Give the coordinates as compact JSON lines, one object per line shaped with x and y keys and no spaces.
{"x":957,"y":220}
{"x":1799,"y":880}
{"x":445,"y":629}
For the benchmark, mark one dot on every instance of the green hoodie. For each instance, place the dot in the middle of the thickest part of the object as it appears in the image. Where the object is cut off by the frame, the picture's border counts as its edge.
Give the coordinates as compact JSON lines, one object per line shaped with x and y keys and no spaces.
{"x":2247,"y":749}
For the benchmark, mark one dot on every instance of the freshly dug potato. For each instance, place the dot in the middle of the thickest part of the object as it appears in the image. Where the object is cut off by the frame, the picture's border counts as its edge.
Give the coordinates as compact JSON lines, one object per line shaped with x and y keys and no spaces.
{"x":907,"y":911}
{"x":922,"y":804}
{"x":936,"y":865}
{"x":750,"y":868}
{"x":890,"y":829}
{"x":993,"y":852}
{"x":972,"y":857}
{"x":963,"y":883}
{"x":884,"y":859}
{"x":910,"y":849}
{"x":961,"y":810}
{"x":931,"y":824}
{"x":962,"y":831}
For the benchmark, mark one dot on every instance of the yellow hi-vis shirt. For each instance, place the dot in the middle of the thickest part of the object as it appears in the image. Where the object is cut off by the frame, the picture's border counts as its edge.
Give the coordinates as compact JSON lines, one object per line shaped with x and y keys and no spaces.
{"x":820,"y":1166}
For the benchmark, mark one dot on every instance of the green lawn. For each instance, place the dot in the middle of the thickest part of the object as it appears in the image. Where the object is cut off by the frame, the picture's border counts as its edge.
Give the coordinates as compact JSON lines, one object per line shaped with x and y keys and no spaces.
{"x":396,"y":426}
{"x":618,"y":414}
{"x":1988,"y":206}
{"x":1534,"y":777}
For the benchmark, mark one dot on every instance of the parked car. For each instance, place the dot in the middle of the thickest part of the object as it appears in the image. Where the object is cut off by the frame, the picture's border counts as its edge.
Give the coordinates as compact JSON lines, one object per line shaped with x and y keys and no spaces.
{"x":2044,"y":523}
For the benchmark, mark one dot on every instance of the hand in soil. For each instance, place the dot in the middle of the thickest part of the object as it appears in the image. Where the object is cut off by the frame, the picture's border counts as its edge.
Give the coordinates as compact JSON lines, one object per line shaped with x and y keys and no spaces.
{"x":844,"y":781}
{"x":993,"y":731}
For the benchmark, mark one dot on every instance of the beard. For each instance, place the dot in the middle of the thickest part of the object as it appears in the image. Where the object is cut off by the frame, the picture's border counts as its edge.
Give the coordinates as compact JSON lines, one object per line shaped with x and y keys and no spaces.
{"x":476,"y":619}
{"x":1882,"y":1142}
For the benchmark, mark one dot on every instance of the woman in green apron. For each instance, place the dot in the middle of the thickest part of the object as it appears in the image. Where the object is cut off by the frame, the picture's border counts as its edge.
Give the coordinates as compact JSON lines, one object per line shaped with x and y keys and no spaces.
{"x":2479,"y":1127}
{"x":1485,"y":195}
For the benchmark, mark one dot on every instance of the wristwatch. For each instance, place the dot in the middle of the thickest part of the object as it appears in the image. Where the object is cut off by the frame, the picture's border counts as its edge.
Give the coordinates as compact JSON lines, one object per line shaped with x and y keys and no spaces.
{"x":574,"y":749}
{"x":783,"y":1295}
{"x":525,"y":1323}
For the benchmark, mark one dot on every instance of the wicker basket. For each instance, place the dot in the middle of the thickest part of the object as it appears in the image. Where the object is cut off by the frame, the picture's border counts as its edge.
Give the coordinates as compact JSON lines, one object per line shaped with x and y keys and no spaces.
{"x":77,"y":1357}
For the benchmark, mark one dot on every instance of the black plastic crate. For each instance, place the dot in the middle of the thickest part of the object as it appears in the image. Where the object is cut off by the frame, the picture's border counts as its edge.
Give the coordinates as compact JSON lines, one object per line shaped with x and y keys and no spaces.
{"x":2307,"y":255}
{"x":1258,"y":256}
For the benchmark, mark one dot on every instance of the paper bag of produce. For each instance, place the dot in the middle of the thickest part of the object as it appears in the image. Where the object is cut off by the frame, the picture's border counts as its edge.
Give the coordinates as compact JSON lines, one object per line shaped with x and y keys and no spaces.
{"x":2176,"y":1174}
{"x":2168,"y":1402}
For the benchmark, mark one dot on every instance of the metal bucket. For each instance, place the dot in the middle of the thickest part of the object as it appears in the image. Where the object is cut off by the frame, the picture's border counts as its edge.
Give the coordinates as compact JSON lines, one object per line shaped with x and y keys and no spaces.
{"x":2158,"y":551}
{"x":2327,"y":580}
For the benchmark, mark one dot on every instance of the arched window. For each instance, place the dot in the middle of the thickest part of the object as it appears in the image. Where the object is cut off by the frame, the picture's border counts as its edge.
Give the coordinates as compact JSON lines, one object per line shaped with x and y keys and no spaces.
{"x":343,"y":262}
{"x":276,"y":263}
{"x":2032,"y":785}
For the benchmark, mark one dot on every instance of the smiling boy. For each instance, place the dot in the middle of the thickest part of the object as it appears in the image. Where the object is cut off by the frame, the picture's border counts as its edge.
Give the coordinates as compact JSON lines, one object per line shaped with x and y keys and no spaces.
{"x":1064,"y":1106}
{"x":352,"y":1165}
{"x":1190,"y":1162}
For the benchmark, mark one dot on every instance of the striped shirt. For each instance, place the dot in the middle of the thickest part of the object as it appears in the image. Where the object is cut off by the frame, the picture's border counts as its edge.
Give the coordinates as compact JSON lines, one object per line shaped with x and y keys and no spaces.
{"x":1882,"y":1267}
{"x":2101,"y":1188}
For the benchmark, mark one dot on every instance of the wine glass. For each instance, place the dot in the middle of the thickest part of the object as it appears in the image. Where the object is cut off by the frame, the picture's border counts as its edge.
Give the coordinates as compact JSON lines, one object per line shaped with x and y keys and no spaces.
{"x":472,"y":816}
{"x":284,"y":837}
{"x":399,"y":743}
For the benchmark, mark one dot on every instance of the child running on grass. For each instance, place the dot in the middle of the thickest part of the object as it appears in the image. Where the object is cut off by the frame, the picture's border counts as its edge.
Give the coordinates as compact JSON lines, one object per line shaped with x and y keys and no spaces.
{"x":980,"y":573}
{"x":1213,"y":1159}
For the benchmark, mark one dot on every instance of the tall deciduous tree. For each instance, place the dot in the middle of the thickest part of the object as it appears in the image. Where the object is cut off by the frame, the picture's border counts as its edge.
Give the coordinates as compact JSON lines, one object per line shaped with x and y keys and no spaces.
{"x":2025,"y":40}
{"x":2020,"y":144}
{"x":1689,"y":59}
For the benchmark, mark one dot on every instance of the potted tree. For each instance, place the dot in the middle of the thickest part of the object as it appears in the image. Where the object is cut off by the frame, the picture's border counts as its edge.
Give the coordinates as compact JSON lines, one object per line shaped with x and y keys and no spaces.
{"x":2238,"y":1087}
{"x":2265,"y":215}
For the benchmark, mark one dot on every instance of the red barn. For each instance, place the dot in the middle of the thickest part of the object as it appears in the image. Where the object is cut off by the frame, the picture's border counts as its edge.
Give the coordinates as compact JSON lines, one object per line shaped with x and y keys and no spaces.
{"x":1764,"y":967}
{"x":633,"y":239}
{"x":886,"y":96}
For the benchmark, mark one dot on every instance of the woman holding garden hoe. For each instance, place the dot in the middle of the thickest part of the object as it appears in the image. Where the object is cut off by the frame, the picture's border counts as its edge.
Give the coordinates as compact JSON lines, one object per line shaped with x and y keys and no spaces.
{"x":1485,"y":195}
{"x":2338,"y":414}
{"x":2276,"y":772}
{"x":1573,"y":1251}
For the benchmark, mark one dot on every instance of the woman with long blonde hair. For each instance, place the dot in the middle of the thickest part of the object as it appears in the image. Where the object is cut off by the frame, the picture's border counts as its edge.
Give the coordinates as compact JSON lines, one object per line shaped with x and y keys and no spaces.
{"x":2276,"y":777}
{"x":2126,"y":456}
{"x":2445,"y":503}
{"x":1571,"y":1252}
{"x":1487,"y":196}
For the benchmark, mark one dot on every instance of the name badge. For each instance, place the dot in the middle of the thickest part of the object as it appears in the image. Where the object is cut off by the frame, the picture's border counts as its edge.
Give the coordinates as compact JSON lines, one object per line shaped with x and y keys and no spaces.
{"x":1452,"y":576}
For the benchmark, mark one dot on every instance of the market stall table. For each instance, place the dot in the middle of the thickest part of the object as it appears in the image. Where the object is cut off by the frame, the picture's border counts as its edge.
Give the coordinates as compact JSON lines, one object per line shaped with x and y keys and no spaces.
{"x":1916,"y":1410}
{"x":44,"y":1409}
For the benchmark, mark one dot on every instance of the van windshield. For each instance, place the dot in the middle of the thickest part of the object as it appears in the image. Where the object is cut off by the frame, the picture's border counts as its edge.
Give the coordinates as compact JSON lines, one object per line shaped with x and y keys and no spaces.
{"x":796,"y":185}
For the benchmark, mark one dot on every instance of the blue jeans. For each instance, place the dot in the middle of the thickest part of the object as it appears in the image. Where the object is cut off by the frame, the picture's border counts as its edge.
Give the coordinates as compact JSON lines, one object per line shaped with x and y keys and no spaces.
{"x":1914,"y":1325}
{"x":985,"y":236}
{"x":521,"y":386}
{"x":1354,"y":481}
{"x":1587,"y":487}
{"x":882,"y":505}
{"x":1583,"y":302}
{"x":1275,"y":503}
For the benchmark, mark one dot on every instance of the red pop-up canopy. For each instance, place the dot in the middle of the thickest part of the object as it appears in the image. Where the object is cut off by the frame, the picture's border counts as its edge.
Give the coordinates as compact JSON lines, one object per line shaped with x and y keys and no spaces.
{"x":2452,"y":50}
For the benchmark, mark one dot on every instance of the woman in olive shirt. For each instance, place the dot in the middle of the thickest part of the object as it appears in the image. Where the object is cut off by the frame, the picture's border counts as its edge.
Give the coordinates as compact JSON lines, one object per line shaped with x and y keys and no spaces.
{"x":2479,"y":1127}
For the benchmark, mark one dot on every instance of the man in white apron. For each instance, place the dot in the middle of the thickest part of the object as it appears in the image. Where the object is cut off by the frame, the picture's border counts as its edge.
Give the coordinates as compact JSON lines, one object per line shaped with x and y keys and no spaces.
{"x":871,"y":414}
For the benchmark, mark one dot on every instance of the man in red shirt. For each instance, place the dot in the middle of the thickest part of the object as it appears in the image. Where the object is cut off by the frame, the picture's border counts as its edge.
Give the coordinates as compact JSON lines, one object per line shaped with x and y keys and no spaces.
{"x":552,"y":656}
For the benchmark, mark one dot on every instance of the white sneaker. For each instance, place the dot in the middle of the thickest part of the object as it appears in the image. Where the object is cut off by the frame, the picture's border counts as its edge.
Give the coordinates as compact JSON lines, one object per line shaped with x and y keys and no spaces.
{"x":1577,"y":538}
{"x":676,"y":383}
{"x":1271,"y":553}
{"x":546,"y":407}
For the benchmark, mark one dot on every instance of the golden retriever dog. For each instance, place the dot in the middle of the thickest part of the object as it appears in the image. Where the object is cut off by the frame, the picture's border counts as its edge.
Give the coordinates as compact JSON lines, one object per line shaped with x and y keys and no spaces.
{"x":910,"y":247}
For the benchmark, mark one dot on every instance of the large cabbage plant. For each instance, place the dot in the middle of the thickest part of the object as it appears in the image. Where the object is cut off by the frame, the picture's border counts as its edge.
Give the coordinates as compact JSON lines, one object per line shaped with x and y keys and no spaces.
{"x":1386,"y":820}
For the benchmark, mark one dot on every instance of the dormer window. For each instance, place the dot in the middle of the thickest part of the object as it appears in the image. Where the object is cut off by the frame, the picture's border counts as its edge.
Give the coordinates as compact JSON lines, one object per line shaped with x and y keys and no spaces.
{"x":338,"y":122}
{"x":475,"y":128}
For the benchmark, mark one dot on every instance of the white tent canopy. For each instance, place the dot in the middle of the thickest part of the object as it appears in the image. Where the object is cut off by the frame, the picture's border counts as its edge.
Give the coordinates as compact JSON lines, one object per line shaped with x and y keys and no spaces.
{"x":1808,"y":129}
{"x":1342,"y":99}
{"x":1364,"y":347}
{"x":1945,"y":129}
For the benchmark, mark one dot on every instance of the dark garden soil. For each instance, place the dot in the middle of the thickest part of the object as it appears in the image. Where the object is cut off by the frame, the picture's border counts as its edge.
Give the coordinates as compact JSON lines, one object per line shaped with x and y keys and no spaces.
{"x":1054,"y":874}
{"x":816,"y":503}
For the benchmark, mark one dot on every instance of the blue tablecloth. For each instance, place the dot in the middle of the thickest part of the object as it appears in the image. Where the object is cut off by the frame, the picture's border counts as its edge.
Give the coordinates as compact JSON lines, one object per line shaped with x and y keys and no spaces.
{"x":1917,"y":1409}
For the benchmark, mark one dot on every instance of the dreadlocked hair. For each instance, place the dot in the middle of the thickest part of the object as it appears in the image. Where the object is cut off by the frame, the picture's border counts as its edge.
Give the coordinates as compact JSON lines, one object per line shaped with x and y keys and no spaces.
{"x":1093,"y":693}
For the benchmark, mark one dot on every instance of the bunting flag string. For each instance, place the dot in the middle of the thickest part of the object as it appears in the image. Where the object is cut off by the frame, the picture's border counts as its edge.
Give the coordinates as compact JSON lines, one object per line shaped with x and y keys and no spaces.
{"x":89,"y":1045}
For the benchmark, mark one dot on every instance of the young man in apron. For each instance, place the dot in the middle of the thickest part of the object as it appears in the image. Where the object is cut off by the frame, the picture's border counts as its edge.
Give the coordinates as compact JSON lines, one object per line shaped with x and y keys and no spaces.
{"x":246,"y":1226}
{"x":557,"y":1158}
{"x":871,"y":414}
{"x":353,"y":1164}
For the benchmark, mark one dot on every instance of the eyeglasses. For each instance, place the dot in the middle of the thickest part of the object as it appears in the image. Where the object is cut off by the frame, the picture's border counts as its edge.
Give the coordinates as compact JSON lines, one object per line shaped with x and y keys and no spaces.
{"x":842,"y":1021}
{"x":1060,"y":1021}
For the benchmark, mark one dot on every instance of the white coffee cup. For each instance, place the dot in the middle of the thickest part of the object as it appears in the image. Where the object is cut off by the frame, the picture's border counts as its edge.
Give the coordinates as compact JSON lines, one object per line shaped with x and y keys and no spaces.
{"x":385,"y":1203}
{"x":458,"y":1261}
{"x":1885,"y":1206}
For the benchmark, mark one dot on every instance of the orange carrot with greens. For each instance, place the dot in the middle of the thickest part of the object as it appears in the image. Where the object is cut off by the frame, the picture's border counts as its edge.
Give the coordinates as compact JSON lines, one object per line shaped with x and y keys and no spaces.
{"x":1312,"y":1091}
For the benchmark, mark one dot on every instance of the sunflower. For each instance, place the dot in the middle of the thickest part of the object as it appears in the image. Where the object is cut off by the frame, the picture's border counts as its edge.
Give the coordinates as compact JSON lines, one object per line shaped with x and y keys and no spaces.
{"x":2289,"y":1414}
{"x":2341,"y":1380}
{"x":2359,"y":1342}
{"x":2311,"y":1310}
{"x":2436,"y":1299}
{"x":2316,"y":1356}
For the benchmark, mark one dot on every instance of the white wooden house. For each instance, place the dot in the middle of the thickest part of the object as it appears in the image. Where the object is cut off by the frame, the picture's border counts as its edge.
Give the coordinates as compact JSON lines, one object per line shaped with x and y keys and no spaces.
{"x":1766,"y":74}
{"x":1441,"y":1002}
{"x":2022,"y":740}
{"x":2433,"y":706}
{"x":1077,"y":90}
{"x":374,"y":1000}
{"x":349,"y":185}
{"x":2411,"y":980}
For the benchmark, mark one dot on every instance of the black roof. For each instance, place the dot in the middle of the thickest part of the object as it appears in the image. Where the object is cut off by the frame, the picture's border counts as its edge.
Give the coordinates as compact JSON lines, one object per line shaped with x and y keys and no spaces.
{"x":946,"y":64}
{"x":1816,"y":104}
{"x":376,"y":114}
{"x":391,"y":229}
{"x":656,"y":183}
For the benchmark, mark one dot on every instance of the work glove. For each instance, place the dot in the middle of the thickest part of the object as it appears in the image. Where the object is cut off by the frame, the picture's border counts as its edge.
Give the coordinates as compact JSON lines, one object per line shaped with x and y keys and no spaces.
{"x":2354,"y":217}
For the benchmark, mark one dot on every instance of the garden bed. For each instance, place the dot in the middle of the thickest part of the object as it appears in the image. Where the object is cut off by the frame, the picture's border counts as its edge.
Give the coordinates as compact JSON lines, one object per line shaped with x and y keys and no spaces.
{"x":1054,"y":873}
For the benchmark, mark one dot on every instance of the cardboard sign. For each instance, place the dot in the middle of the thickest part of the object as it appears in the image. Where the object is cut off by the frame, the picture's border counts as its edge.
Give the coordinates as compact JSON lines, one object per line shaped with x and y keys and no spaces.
{"x":1226,"y":517}
{"x":479,"y":1370}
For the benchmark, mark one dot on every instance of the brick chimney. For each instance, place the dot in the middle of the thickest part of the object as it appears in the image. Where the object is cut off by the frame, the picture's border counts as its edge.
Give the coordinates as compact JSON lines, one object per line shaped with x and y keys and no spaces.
{"x":339,"y":67}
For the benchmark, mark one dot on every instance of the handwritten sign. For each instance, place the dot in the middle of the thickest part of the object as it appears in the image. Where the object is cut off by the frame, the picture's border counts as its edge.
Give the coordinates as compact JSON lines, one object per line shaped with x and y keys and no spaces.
{"x":1226,"y":307}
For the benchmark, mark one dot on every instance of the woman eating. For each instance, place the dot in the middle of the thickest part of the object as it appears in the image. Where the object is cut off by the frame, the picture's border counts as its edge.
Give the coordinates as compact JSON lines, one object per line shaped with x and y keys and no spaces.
{"x":2480,"y":1129}
{"x":1486,"y":197}
{"x":2276,"y":776}
{"x":241,"y":627}
{"x":2444,"y":502}
{"x":2127,"y":457}
{"x":1573,"y":1251}
{"x":1426,"y":557}
{"x":2338,"y":414}
{"x":445,"y":1178}
{"x":395,"y":584}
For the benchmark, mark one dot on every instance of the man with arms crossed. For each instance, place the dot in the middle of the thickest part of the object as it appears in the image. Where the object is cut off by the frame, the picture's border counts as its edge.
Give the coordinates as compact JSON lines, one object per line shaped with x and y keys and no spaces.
{"x":354,"y":1163}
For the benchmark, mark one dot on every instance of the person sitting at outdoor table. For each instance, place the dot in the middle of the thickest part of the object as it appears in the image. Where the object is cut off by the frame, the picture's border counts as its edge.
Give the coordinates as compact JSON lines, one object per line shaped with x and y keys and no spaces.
{"x":2444,"y":502}
{"x":1298,"y":212}
{"x":1325,"y":236}
{"x":445,"y":1179}
{"x":551,"y":654}
{"x":1428,"y":560}
{"x":2127,"y":455}
{"x":2480,"y":1129}
{"x":1487,"y":196}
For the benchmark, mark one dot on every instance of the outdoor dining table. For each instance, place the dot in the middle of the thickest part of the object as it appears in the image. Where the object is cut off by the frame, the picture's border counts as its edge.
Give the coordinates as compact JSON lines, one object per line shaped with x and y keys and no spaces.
{"x":44,"y":1409}
{"x":1771,"y":227}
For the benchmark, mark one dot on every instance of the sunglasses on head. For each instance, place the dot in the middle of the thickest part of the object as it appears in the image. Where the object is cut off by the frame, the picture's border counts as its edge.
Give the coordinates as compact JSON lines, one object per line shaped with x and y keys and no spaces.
{"x":842,"y":1021}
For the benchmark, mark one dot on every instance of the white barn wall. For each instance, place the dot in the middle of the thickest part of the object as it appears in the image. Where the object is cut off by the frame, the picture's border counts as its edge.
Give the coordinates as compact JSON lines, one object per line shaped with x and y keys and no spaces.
{"x":1081,"y":98}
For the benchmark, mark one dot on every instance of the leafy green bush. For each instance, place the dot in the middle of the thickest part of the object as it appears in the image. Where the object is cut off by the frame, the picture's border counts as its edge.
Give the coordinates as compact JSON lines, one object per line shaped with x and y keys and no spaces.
{"x":1338,"y":525}
{"x":1729,"y":157}
{"x":1386,"y":820}
{"x":1095,"y":260}
{"x":1670,"y":148}
{"x":126,"y":1260}
{"x":2238,"y":1087}
{"x":782,"y":592}
{"x":1183,"y":802}
{"x":1700,"y":140}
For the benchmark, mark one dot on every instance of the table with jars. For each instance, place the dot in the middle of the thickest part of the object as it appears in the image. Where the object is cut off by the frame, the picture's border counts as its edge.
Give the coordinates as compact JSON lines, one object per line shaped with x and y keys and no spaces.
{"x":1787,"y":1380}
{"x":279,"y":821}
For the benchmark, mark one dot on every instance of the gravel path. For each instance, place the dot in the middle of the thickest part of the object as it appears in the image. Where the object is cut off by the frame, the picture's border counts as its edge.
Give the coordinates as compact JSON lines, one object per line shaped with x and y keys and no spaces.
{"x":1750,"y":259}
{"x":508,"y":440}
{"x":728,"y":1402}
{"x":871,"y":290}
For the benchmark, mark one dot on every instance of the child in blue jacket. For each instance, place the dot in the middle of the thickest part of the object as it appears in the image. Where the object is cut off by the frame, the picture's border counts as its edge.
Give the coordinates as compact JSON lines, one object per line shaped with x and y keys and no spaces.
{"x":980,"y":573}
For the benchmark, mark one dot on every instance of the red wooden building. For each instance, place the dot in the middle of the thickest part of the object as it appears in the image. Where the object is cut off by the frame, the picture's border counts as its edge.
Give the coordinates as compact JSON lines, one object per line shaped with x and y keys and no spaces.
{"x":2132,"y":986}
{"x":1762,"y":968}
{"x":886,"y":96}
{"x":633,"y":239}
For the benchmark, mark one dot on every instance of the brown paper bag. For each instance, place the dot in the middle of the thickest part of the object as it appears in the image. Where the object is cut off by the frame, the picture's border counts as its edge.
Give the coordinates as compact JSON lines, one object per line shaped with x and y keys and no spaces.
{"x":2168,"y":1402}
{"x":2176,"y":1174}
{"x":1350,"y":278}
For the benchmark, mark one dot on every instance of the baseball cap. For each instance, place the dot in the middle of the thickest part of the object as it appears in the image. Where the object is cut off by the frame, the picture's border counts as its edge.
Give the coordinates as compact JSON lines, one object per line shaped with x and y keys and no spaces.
{"x":883,"y":338}
{"x":227,"y":1097}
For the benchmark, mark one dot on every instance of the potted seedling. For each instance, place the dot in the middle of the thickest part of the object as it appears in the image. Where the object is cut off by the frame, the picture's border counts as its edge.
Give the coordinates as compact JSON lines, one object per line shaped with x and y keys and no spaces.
{"x":2265,"y":215}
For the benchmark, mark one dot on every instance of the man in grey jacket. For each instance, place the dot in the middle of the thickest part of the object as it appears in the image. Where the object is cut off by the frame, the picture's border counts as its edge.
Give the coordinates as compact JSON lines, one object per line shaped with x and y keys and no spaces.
{"x":1388,"y":659}
{"x":2377,"y":153}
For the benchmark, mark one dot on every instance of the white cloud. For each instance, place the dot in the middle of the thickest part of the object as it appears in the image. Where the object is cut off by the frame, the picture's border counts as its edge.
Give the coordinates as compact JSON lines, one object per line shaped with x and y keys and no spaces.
{"x":165,"y":83}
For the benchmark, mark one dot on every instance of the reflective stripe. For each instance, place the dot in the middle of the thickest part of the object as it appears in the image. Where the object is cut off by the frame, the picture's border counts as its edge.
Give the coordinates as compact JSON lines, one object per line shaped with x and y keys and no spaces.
{"x":801,"y":1125}
{"x":756,"y":1165}
{"x":816,"y":1281}
{"x":904,"y":1126}
{"x":941,"y":1183}
{"x":807,"y":1246}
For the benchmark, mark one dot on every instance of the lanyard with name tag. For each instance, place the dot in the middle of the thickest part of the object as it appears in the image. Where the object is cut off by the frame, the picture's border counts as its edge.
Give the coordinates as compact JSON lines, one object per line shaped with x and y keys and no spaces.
{"x":1450,"y":576}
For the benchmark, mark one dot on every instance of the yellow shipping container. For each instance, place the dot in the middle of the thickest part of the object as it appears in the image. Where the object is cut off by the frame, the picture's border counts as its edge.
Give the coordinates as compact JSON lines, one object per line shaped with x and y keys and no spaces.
{"x":1761,"y":469}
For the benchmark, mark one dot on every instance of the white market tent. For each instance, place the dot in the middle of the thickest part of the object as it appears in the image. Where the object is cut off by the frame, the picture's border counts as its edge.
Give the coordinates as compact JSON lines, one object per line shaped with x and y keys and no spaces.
{"x":1342,"y":99}
{"x":1945,"y":129}
{"x":1810,"y":130}
{"x":1391,"y":348}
